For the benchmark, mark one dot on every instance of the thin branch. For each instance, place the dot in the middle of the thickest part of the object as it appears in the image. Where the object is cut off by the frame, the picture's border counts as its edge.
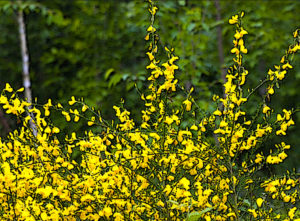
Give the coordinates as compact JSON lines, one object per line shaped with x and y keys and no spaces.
{"x":257,"y":87}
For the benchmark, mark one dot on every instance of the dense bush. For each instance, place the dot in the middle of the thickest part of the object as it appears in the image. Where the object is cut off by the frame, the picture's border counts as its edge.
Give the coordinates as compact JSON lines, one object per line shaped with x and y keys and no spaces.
{"x":180,"y":162}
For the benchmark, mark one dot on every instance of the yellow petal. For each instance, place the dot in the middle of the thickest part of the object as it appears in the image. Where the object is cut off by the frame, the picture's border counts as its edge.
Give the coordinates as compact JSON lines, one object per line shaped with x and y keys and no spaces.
{"x":259,"y":202}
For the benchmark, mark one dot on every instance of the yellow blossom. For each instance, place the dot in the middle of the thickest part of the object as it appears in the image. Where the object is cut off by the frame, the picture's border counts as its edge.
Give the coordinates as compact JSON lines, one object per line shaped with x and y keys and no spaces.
{"x":150,"y":55}
{"x":218,"y":113}
{"x":291,"y":212}
{"x":280,"y":74}
{"x":253,"y":212}
{"x":188,"y":105}
{"x":8,"y":88}
{"x":84,"y":108}
{"x":185,"y":183}
{"x":259,"y":202}
{"x":233,"y":20}
{"x":266,"y":109}
{"x":151,"y":29}
{"x":147,"y":37}
{"x":72,"y":101}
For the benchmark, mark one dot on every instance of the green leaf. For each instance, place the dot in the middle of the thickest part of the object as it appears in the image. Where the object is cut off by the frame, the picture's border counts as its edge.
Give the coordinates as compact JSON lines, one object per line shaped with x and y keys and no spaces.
{"x":191,"y":26}
{"x":194,"y":216}
{"x":130,"y":85}
{"x":246,"y":202}
{"x":115,"y":79}
{"x":205,"y":26}
{"x":32,"y":7}
{"x":181,"y":2}
{"x":108,"y":73}
{"x":172,"y":201}
{"x":6,"y":7}
{"x":216,"y":23}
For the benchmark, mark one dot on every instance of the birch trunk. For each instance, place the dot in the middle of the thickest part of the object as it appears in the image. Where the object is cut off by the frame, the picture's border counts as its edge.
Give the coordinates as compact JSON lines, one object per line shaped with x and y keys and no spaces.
{"x":25,"y":65}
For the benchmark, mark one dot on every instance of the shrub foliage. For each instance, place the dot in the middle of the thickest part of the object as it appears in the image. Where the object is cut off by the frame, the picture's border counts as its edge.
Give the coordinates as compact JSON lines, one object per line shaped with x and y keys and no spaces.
{"x":179,"y":163}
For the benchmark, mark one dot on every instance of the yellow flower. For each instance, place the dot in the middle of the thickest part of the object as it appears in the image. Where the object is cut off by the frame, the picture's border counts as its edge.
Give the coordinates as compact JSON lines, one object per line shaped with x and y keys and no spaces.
{"x":47,"y":130}
{"x":271,"y":74}
{"x":87,"y":197}
{"x":151,"y":66}
{"x":280,"y":74}
{"x":240,"y":34}
{"x":151,"y":29}
{"x":279,"y":118}
{"x":153,"y":10}
{"x":188,"y":104}
{"x":174,"y":58}
{"x":282,"y":155}
{"x":286,"y":198}
{"x":224,"y":184}
{"x":72,"y":101}
{"x":287,"y":114}
{"x":287,"y":65}
{"x":150,"y":55}
{"x":84,"y":108}
{"x":291,"y":212}
{"x":235,"y":51}
{"x":217,"y":131}
{"x":259,"y":202}
{"x":259,"y":158}
{"x":76,"y":113}
{"x":55,"y":130}
{"x":67,"y":115}
{"x":270,"y":90}
{"x":243,"y":49}
{"x":44,"y":216}
{"x":234,"y":19}
{"x":170,"y":178}
{"x":167,"y":189}
{"x":295,"y":34}
{"x":20,"y":90}
{"x":266,"y":109}
{"x":107,"y":211}
{"x":284,"y":146}
{"x":92,"y":121}
{"x":218,"y":113}
{"x":223,"y":123}
{"x":254,"y":214}
{"x":45,"y":192}
{"x":185,"y":183}
{"x":8,"y":88}
{"x":273,"y":159}
{"x":194,"y":127}
{"x":118,"y":217}
{"x":160,"y":203}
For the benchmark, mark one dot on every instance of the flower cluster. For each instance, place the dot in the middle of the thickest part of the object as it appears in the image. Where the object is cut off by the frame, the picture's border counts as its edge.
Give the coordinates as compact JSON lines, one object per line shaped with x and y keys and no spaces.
{"x":172,"y":166}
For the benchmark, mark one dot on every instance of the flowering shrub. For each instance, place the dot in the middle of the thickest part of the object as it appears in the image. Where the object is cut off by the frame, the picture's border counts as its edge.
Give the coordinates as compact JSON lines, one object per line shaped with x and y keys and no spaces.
{"x":177,"y":164}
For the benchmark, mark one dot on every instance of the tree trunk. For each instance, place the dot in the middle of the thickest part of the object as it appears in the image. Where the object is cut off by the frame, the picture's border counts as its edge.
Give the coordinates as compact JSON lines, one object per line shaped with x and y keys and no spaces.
{"x":220,"y":41}
{"x":25,"y":65}
{"x":4,"y":122}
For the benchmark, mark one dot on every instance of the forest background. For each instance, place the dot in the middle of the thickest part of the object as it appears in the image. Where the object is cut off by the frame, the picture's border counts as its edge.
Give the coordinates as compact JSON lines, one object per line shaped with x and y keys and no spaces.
{"x":96,"y":50}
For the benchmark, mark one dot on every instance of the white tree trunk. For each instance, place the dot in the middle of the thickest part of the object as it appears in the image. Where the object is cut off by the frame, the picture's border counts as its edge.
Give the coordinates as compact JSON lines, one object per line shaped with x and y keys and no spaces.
{"x":25,"y":62}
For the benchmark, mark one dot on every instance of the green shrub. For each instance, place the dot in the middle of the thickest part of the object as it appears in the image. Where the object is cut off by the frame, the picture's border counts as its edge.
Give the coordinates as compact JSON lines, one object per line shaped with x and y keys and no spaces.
{"x":179,"y":163}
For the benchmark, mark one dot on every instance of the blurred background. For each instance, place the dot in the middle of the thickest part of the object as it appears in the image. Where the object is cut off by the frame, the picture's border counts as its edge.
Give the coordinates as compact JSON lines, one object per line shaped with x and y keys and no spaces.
{"x":96,"y":50}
